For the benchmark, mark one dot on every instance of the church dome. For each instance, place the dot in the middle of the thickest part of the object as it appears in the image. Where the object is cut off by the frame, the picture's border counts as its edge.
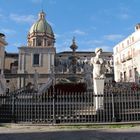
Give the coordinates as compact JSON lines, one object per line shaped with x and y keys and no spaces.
{"x":41,"y":26}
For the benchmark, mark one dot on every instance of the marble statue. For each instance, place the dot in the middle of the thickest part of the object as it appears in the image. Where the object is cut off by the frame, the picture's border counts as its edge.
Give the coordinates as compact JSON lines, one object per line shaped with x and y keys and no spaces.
{"x":98,"y":78}
{"x":2,"y":84}
{"x":36,"y":76}
{"x":87,"y":74}
{"x":98,"y":64}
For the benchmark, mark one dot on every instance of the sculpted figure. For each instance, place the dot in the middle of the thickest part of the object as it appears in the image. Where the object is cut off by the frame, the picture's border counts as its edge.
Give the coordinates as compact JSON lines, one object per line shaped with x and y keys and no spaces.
{"x":98,"y":64}
{"x":2,"y":84}
{"x":35,"y":78}
{"x":87,"y":72}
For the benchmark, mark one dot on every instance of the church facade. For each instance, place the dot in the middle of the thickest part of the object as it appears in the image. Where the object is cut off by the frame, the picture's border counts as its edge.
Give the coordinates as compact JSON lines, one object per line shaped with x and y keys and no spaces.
{"x":39,"y":53}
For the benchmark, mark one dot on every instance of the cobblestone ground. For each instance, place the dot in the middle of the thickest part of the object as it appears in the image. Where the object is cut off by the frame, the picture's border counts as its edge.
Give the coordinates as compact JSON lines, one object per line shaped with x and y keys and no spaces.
{"x":16,"y":132}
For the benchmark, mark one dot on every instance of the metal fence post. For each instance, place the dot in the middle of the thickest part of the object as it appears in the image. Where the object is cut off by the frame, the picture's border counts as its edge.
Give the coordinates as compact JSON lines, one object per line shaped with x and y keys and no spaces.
{"x":13,"y":108}
{"x":53,"y":91}
{"x":113,"y":109}
{"x":54,"y":119}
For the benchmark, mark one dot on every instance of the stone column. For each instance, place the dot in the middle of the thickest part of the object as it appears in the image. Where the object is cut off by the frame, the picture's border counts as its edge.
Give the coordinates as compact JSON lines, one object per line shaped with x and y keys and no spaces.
{"x":23,"y":62}
{"x":52,"y":59}
{"x":49,"y":71}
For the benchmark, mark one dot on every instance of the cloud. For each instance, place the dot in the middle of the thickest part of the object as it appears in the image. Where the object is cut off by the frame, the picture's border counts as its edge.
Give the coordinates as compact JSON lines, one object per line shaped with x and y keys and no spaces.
{"x":1,"y":16}
{"x":8,"y":31}
{"x":64,"y":45}
{"x":113,"y":37}
{"x":51,"y":23}
{"x":57,"y":35}
{"x":36,"y":1}
{"x":124,"y":16}
{"x":17,"y":44}
{"x":79,"y":32}
{"x":52,"y":1}
{"x":94,"y":42}
{"x":106,"y":48}
{"x":41,"y":1}
{"x":22,"y":18}
{"x":124,"y":13}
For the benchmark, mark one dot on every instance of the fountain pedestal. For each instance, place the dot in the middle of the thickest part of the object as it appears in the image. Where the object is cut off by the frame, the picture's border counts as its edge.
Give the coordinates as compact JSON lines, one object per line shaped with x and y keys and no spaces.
{"x":99,"y":92}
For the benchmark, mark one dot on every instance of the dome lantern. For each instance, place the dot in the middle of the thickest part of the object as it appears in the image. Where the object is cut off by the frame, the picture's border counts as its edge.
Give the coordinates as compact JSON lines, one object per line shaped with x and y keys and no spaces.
{"x":42,"y":15}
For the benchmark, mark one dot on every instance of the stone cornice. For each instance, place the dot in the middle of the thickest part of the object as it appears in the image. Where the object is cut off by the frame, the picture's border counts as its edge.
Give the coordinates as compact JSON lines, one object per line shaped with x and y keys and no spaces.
{"x":37,"y":49}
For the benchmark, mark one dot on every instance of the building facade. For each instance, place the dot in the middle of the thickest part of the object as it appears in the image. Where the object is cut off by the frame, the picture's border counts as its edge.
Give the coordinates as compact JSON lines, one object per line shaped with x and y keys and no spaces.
{"x":3,"y":43}
{"x":127,"y":58}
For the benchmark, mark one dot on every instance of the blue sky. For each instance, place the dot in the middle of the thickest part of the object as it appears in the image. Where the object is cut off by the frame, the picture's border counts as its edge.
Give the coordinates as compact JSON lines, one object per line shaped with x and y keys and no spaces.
{"x":94,"y":23}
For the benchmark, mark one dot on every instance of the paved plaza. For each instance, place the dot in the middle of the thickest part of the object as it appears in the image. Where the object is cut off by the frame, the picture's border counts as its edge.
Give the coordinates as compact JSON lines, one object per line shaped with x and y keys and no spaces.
{"x":14,"y":132}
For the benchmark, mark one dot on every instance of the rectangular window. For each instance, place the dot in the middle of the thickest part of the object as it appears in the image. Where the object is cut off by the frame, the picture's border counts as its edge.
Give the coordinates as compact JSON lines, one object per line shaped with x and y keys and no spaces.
{"x":116,"y":49}
{"x":133,"y":39}
{"x":122,"y":45}
{"x":127,"y":42}
{"x":121,"y":77}
{"x":36,"y":59}
{"x":130,"y":73}
{"x":124,"y":76}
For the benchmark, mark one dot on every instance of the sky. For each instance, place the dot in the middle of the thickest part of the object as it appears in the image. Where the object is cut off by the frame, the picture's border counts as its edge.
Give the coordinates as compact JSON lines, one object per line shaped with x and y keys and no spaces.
{"x":94,"y":23}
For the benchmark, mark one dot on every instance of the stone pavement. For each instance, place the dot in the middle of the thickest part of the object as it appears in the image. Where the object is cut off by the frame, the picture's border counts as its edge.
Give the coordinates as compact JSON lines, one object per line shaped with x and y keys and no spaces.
{"x":51,"y":133}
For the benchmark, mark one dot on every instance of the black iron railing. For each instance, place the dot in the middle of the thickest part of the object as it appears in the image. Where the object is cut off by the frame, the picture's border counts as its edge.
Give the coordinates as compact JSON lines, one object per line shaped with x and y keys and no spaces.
{"x":70,"y":107}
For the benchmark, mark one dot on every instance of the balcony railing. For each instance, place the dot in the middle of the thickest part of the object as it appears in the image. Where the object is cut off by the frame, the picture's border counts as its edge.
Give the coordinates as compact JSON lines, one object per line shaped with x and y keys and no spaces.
{"x":129,"y":57}
{"x":123,"y":60}
{"x":117,"y":63}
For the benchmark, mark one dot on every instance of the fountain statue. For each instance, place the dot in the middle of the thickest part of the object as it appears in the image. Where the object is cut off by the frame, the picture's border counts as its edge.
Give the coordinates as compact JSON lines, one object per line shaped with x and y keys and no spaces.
{"x":35,"y":78}
{"x":98,"y":78}
{"x":98,"y":65}
{"x":2,"y":84}
{"x":87,"y":74}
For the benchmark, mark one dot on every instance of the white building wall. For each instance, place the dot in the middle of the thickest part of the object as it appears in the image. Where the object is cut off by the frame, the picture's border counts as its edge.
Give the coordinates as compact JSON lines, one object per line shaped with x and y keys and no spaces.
{"x":127,"y":58}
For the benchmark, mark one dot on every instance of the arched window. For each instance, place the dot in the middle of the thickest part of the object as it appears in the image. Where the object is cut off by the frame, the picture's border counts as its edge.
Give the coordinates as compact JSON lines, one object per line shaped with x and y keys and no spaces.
{"x":39,"y":42}
{"x":49,"y":43}
{"x":45,"y":42}
{"x":34,"y":42}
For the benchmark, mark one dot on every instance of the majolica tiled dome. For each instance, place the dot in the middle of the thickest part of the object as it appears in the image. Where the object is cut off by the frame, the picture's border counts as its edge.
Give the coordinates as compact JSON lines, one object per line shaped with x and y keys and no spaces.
{"x":41,"y":26}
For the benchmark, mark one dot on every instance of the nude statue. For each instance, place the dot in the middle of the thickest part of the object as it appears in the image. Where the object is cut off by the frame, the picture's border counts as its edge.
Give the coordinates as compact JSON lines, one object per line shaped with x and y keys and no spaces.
{"x":35,"y":78}
{"x":2,"y":84}
{"x":98,"y":64}
{"x":87,"y":72}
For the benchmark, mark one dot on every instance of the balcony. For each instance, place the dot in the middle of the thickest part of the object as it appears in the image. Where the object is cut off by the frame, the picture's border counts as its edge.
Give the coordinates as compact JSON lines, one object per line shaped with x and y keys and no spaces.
{"x":117,"y":63}
{"x":129,"y":57}
{"x":123,"y":60}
